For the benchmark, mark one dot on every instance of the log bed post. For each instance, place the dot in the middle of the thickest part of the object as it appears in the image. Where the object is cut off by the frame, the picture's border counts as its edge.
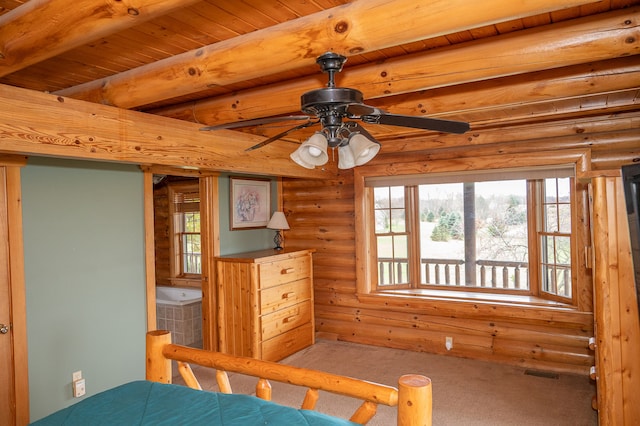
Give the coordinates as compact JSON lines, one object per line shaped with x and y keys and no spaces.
{"x":158,"y":366}
{"x":414,"y":400}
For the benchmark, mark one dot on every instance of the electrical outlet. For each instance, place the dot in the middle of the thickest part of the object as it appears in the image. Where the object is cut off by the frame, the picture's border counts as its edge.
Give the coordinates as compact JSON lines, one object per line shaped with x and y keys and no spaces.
{"x":76,"y":376}
{"x":448,"y":343}
{"x":79,"y":388}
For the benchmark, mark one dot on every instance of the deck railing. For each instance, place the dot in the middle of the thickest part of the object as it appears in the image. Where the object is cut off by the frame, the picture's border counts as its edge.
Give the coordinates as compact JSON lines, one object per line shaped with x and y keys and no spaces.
{"x":450,"y":272}
{"x":192,"y":263}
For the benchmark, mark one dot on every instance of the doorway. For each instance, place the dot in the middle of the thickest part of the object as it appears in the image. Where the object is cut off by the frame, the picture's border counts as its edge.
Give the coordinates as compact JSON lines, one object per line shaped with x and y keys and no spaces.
{"x":183,"y":224}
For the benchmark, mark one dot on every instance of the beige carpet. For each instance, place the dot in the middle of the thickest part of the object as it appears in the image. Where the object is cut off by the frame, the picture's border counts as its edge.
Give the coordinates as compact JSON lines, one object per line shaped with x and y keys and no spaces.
{"x":465,"y":392}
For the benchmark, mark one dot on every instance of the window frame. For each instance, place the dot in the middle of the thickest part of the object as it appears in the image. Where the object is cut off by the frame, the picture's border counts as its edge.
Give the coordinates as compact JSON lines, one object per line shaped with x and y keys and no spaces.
{"x":182,"y":243}
{"x":366,"y":259}
{"x":175,"y":242}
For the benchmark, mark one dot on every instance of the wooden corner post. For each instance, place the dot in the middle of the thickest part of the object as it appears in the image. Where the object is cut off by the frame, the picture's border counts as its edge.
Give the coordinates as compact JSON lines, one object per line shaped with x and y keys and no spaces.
{"x":414,"y":400}
{"x":158,"y":367}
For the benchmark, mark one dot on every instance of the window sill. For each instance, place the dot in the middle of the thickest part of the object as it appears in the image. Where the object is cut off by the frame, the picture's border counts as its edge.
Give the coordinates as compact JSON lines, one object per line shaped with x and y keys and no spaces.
{"x":473,"y":297}
{"x":192,"y":281}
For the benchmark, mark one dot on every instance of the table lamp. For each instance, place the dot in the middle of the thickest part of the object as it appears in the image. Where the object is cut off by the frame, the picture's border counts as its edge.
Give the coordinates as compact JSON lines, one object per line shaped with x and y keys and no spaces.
{"x":278,"y":222}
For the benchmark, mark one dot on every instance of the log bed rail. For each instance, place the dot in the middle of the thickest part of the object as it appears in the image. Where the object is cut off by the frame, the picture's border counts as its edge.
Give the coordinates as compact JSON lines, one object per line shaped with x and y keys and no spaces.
{"x":412,"y":397}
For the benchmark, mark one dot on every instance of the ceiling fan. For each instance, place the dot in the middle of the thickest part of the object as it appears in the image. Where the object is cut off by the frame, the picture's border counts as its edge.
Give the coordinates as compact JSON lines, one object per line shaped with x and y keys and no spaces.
{"x":334,"y":108}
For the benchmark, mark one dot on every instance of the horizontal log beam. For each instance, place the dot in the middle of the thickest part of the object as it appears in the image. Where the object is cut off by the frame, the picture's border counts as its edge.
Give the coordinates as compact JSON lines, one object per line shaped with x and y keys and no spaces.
{"x":41,"y":29}
{"x":538,"y":87}
{"x":513,"y":313}
{"x":357,"y":27}
{"x":585,"y":40}
{"x":41,"y":124}
{"x":572,"y":129}
{"x":624,"y":144}
{"x":548,"y":335}
{"x":466,"y":345}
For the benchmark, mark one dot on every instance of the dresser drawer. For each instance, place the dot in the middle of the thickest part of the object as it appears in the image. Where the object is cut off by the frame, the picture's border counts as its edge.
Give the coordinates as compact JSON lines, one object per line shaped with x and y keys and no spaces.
{"x":284,"y":271}
{"x":285,"y":319}
{"x":285,"y":344}
{"x":275,"y":298}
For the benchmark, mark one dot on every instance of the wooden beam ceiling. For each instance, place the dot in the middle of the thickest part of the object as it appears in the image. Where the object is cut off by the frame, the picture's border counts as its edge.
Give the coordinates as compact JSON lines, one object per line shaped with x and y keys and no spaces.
{"x":500,"y":65}
{"x":591,"y":39}
{"x":353,"y":28}
{"x":41,"y":29}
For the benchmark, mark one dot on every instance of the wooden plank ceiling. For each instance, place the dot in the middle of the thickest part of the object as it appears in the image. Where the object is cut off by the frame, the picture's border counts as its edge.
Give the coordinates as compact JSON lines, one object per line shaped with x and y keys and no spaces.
{"x":495,"y":64}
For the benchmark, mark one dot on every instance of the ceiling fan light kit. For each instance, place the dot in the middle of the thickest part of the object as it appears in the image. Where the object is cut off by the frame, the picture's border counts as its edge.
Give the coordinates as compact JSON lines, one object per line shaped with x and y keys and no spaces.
{"x":331,"y":105}
{"x":355,"y":150}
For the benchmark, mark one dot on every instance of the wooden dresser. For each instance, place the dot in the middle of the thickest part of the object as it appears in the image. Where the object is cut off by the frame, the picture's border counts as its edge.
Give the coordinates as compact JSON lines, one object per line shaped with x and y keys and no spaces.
{"x":265,"y":303}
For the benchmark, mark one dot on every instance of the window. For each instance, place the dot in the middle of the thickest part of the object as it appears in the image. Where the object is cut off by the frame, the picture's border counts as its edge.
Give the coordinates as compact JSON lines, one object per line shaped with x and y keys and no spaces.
{"x":506,"y":233}
{"x":185,"y":222}
{"x":391,"y":235}
{"x":555,"y":237}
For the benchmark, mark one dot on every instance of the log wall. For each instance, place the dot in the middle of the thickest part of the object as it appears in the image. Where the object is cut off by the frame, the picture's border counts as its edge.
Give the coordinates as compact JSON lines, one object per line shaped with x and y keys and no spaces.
{"x":161,"y":235}
{"x":321,"y":215}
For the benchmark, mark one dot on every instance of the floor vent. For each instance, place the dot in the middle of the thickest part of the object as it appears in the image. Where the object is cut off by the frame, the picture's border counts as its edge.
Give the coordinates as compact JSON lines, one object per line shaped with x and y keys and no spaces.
{"x":547,"y":374}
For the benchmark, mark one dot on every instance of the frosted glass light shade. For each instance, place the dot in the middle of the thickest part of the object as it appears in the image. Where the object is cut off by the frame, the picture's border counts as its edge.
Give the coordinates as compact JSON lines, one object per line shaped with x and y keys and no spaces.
{"x":312,"y":152}
{"x":345,"y":158}
{"x":363,"y":149}
{"x":295,"y":156}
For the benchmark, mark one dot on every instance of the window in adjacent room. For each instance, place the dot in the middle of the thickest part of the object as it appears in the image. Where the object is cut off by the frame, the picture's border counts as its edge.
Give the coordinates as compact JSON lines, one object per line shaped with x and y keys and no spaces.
{"x":185,"y":223}
{"x":501,"y":233}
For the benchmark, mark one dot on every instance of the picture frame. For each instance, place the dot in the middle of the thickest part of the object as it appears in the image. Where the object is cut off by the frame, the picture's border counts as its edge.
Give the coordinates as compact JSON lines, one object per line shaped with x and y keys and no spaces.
{"x":249,"y":203}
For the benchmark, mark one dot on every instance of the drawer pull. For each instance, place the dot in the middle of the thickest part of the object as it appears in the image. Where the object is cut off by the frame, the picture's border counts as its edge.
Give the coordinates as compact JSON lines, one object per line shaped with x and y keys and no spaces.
{"x":287,"y":271}
{"x":288,"y":294}
{"x":289,"y":319}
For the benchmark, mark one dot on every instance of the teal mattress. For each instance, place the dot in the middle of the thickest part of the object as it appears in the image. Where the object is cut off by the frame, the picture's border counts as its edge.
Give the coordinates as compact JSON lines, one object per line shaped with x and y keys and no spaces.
{"x":150,"y":403}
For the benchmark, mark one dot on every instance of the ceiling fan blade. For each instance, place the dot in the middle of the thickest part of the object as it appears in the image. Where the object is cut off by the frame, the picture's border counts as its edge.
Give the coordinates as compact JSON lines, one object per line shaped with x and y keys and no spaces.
{"x":280,"y":135}
{"x":357,"y":110}
{"x":426,"y":123}
{"x":256,"y":122}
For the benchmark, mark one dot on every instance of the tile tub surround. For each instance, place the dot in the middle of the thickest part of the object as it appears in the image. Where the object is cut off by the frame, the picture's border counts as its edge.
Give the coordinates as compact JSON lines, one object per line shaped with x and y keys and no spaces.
{"x":184,"y":322}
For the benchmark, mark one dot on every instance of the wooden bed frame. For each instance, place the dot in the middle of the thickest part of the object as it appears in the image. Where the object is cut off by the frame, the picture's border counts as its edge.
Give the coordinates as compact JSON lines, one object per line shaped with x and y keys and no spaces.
{"x":412,"y":397}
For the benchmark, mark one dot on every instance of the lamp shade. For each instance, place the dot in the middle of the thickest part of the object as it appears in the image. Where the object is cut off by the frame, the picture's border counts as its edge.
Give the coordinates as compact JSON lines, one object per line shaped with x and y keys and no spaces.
{"x":363,"y":149}
{"x":312,"y":152}
{"x":278,"y":221}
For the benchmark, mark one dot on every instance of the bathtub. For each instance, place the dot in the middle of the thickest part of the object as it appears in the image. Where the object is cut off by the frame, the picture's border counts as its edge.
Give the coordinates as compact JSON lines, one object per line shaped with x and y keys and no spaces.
{"x":177,"y":296}
{"x":179,"y":310}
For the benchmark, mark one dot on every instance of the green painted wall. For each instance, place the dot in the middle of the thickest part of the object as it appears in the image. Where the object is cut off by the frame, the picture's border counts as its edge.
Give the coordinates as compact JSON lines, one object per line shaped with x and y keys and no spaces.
{"x":246,"y":239}
{"x":85,"y":277}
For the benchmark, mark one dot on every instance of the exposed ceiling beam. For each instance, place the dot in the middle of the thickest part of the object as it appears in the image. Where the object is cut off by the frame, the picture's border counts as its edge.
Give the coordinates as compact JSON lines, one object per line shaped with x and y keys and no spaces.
{"x":35,"y":123}
{"x":353,"y":28}
{"x":40,"y":29}
{"x":590,"y":39}
{"x":539,"y":87}
{"x":625,"y":142}
{"x":572,"y":128}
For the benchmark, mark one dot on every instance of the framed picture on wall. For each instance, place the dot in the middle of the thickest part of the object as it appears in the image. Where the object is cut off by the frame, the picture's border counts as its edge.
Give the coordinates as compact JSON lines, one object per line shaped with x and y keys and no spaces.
{"x":250,"y":203}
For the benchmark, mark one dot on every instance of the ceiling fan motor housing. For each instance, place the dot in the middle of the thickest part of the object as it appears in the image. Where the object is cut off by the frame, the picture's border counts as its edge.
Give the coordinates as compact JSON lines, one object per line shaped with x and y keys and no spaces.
{"x":321,"y":100}
{"x":330,"y":106}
